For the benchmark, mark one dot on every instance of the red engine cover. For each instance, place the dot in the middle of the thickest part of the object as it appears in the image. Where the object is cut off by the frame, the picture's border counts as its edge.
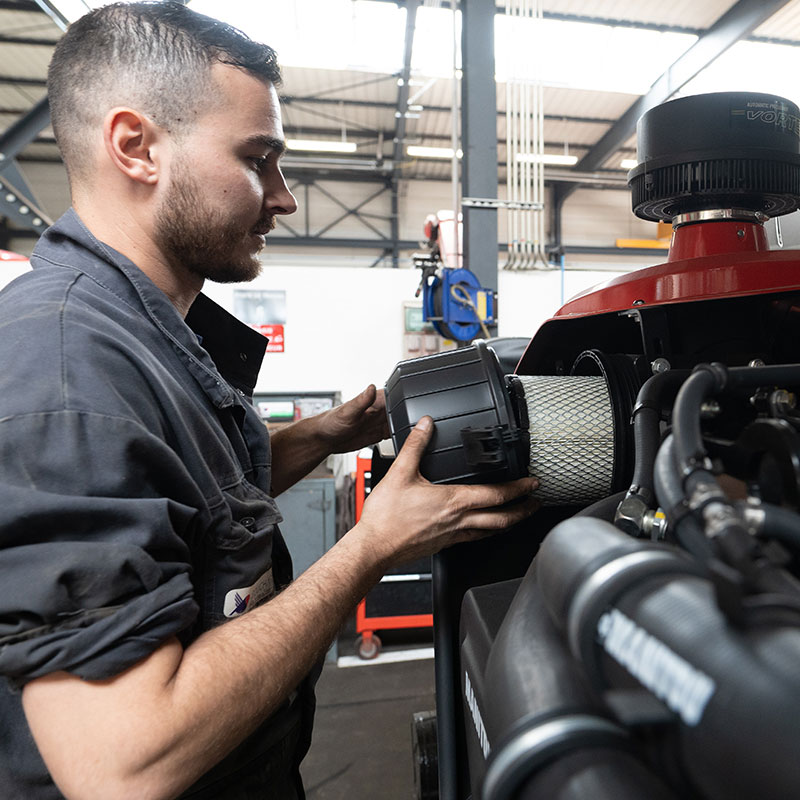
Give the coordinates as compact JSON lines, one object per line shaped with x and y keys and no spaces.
{"x":707,"y":261}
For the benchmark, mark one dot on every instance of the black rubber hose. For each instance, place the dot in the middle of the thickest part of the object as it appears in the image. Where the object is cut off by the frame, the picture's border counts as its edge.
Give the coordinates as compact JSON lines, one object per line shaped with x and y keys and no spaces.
{"x":533,"y":685}
{"x":700,"y":487}
{"x":650,"y":405}
{"x":595,"y":774}
{"x":669,"y":491}
{"x":774,"y":374}
{"x":735,"y":692}
{"x":689,"y":447}
{"x":709,"y":379}
{"x":775,"y":523}
{"x":646,"y":438}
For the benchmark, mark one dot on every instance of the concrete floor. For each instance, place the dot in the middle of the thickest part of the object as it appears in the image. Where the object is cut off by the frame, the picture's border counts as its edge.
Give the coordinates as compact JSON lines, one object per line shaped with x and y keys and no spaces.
{"x":362,"y":735}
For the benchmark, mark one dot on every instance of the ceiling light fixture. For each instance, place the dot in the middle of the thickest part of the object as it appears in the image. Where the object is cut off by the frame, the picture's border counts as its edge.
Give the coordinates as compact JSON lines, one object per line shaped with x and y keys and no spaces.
{"x":418,"y":151}
{"x":321,"y":146}
{"x":548,"y":158}
{"x":628,"y":163}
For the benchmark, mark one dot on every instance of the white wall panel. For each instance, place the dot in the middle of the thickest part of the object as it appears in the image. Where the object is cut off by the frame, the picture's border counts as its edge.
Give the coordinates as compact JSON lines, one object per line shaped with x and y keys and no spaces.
{"x":600,"y":217}
{"x":527,"y":299}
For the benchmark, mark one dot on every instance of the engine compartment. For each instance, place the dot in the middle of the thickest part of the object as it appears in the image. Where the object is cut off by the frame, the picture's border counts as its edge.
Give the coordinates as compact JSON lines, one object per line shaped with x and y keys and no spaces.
{"x":644,"y":641}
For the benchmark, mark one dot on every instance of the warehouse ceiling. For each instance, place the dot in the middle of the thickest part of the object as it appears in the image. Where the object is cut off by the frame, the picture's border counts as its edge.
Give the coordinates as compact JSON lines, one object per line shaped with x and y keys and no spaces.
{"x":602,"y":63}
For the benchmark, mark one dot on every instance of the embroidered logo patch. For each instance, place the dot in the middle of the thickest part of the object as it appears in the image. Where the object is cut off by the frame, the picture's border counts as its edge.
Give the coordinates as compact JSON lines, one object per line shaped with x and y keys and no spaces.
{"x":237,"y":601}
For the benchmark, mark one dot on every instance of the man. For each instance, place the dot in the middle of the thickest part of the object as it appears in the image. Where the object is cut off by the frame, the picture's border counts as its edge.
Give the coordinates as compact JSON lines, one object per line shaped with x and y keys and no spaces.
{"x":136,"y":481}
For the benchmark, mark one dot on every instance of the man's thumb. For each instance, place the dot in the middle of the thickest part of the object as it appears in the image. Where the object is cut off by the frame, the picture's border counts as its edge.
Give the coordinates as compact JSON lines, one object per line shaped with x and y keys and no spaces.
{"x":414,"y":446}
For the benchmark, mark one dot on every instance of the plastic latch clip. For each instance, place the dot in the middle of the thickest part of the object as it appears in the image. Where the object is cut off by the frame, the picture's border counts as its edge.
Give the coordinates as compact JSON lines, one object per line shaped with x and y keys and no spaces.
{"x":488,"y":446}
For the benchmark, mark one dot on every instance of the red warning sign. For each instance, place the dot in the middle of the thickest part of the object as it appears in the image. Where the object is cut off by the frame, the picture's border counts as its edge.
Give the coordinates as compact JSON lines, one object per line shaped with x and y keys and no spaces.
{"x":275,"y":335}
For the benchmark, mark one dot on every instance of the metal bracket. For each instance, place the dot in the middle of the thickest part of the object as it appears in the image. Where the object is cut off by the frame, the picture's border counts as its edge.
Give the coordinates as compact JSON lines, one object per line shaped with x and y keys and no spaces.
{"x":491,"y":202}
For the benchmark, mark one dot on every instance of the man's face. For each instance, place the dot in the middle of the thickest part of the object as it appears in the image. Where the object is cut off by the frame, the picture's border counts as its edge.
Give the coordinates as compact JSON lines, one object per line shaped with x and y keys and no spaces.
{"x":225,"y":186}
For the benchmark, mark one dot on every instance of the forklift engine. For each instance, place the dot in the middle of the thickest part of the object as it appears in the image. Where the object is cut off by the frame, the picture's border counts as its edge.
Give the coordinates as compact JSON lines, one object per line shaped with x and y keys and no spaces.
{"x":639,"y":636}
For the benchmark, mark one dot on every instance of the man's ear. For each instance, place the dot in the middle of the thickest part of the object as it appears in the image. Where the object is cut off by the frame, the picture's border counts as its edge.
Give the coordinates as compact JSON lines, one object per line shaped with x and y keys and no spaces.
{"x":130,"y":139}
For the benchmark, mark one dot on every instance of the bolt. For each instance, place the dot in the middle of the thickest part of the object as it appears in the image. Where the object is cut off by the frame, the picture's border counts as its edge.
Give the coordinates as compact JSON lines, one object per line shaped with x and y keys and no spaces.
{"x":740,"y":233}
{"x":756,"y":362}
{"x":660,"y":365}
{"x":638,"y":302}
{"x":655,"y":524}
{"x":709,"y":409}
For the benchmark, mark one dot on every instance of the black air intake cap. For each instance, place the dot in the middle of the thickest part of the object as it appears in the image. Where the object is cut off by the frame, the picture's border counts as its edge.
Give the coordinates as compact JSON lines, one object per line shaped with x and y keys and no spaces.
{"x":713,"y":151}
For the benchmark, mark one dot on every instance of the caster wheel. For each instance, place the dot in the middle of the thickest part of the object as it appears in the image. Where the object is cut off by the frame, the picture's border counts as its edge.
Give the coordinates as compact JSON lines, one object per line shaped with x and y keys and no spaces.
{"x":368,"y":647}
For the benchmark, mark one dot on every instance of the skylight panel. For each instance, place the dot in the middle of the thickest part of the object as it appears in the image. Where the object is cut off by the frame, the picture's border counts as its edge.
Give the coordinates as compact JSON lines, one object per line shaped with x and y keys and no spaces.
{"x":580,"y":55}
{"x":328,"y":34}
{"x":751,"y":67}
{"x":432,"y":54}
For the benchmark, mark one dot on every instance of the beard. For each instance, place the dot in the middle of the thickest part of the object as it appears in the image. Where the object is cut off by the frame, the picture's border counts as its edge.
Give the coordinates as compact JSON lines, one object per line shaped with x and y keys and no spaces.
{"x":203,"y":241}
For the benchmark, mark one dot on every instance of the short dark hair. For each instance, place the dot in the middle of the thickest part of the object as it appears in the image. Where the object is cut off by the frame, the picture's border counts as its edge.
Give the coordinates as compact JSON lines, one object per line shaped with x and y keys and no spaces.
{"x":154,"y":56}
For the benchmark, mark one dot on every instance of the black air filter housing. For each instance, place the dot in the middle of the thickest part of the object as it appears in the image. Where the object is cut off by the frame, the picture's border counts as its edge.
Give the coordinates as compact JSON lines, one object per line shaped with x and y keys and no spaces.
{"x":480,"y":435}
{"x":712,"y":151}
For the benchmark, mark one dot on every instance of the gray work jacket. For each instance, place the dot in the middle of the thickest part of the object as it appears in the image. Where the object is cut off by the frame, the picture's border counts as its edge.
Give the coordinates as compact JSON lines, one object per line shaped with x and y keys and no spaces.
{"x":134,"y":492}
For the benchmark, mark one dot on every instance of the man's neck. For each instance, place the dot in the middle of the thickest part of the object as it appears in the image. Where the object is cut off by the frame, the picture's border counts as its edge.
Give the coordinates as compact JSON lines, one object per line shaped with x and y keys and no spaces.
{"x":136,"y":243}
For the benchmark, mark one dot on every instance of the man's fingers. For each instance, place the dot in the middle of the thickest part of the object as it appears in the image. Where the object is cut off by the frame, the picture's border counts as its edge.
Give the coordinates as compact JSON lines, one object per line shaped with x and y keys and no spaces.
{"x":414,"y":446}
{"x":496,"y":519}
{"x":490,"y":495}
{"x":364,"y":400}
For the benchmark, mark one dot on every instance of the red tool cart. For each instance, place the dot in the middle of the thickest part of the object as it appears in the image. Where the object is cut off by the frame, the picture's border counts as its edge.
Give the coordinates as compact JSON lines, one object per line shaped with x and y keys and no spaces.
{"x":402,"y":599}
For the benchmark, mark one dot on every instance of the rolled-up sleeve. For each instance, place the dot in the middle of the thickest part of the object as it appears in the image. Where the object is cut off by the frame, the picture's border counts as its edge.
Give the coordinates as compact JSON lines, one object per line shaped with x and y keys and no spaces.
{"x":97,"y":516}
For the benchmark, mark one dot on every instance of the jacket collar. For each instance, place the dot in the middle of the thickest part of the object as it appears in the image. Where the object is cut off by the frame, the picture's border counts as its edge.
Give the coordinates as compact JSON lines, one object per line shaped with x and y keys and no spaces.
{"x":231,"y":353}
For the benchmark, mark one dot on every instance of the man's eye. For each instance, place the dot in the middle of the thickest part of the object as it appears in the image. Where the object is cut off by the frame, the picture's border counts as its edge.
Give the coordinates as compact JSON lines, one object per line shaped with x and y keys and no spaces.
{"x":259,"y":162}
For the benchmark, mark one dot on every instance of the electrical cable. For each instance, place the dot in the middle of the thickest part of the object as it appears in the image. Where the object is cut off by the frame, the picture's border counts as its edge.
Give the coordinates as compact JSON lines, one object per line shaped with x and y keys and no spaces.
{"x":460,"y":295}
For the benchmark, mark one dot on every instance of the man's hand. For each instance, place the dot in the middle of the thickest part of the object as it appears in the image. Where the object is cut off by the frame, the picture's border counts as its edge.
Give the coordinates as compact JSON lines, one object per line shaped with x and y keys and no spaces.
{"x":357,"y":423}
{"x":298,"y":448}
{"x":407,"y":517}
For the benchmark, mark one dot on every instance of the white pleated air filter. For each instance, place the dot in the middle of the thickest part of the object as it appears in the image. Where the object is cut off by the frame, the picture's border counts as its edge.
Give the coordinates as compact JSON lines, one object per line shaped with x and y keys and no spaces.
{"x":571,"y":428}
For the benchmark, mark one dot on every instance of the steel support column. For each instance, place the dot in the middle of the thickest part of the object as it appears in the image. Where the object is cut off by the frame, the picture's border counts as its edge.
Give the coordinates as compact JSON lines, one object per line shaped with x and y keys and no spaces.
{"x":400,"y":124}
{"x":453,"y":567}
{"x":479,"y":137}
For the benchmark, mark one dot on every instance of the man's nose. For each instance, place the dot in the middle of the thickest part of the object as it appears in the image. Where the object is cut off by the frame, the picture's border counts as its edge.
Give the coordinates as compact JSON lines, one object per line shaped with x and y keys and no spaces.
{"x":278,"y":199}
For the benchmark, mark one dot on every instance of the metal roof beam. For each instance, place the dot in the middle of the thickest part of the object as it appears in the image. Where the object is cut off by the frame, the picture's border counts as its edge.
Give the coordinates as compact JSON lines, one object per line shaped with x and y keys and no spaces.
{"x":15,"y":206}
{"x":20,"y":81}
{"x":18,"y":201}
{"x":22,"y":132}
{"x":27,"y":40}
{"x":361,"y":244}
{"x":335,"y":101}
{"x":54,"y":13}
{"x":19,"y":5}
{"x":740,"y":20}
